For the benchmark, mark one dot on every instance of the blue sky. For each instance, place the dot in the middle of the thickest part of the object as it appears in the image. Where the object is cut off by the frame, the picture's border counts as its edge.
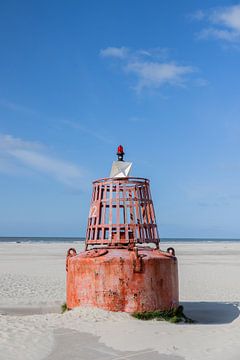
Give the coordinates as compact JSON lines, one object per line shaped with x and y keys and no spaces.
{"x":78,"y":78}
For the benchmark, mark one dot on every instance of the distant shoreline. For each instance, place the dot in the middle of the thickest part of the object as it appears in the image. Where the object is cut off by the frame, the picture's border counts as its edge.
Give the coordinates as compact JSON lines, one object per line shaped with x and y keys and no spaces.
{"x":43,"y":239}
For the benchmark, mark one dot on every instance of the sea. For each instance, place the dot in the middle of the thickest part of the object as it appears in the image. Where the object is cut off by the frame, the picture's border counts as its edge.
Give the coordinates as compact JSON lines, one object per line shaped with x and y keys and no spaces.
{"x":80,"y":239}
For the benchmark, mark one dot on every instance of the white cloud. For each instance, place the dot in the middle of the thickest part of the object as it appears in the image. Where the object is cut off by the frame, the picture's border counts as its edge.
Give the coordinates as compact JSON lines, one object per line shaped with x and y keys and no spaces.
{"x":114,"y":52}
{"x":152,"y":74}
{"x":150,"y":67}
{"x":221,"y":23}
{"x":220,"y":34}
{"x":16,"y":154}
{"x":228,"y":16}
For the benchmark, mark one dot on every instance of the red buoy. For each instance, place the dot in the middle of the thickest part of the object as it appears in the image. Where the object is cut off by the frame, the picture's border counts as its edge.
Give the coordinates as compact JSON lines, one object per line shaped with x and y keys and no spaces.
{"x":122,"y":267}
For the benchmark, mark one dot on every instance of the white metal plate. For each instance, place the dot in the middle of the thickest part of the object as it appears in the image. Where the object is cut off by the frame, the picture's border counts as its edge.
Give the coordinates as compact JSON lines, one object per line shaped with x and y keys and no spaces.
{"x":120,"y":169}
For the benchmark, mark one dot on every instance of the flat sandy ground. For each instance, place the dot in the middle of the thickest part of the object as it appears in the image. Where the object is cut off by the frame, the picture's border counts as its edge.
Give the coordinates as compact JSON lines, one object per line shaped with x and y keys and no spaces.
{"x":32,"y":283}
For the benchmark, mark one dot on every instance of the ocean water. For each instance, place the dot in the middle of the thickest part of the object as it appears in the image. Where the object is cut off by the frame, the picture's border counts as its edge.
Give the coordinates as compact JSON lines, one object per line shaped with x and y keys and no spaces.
{"x":80,"y":239}
{"x":35,"y":239}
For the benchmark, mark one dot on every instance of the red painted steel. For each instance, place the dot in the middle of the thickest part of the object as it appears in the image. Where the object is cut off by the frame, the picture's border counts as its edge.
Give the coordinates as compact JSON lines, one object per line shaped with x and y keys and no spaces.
{"x":120,"y":270}
{"x":120,"y":280}
{"x":121,"y":212}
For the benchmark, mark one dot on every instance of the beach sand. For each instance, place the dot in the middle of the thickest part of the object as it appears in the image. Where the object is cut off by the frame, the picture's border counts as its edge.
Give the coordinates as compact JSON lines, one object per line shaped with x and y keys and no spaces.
{"x":32,"y":280}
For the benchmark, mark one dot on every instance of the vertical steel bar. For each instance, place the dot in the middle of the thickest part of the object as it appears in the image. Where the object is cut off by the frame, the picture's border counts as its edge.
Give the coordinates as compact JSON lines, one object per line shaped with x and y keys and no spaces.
{"x":110,"y":214}
{"x":117,"y":199}
{"x":136,"y":203}
{"x":125,"y":211}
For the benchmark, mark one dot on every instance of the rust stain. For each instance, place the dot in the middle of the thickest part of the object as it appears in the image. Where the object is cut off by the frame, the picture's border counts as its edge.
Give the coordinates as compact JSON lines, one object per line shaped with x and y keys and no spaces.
{"x":118,"y":287}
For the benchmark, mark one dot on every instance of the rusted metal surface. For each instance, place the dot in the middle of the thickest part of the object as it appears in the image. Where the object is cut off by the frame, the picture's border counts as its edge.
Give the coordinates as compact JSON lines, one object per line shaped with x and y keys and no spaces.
{"x":122,"y":280}
{"x":121,"y":212}
{"x":119,"y":270}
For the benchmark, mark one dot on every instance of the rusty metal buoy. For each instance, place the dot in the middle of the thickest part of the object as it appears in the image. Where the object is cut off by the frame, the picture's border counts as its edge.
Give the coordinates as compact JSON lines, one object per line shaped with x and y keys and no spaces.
{"x":122,"y":267}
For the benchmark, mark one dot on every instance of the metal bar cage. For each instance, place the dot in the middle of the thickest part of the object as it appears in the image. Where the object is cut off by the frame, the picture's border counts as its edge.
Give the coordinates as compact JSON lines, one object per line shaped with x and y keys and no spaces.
{"x":121,"y":213}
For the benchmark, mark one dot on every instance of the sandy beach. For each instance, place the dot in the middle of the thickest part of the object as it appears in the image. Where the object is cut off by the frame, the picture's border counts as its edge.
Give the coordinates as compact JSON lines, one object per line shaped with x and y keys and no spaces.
{"x":32,"y":280}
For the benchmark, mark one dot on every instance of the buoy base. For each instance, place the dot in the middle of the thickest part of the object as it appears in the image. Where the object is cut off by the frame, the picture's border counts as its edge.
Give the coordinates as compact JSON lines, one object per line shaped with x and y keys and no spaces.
{"x":139,"y":280}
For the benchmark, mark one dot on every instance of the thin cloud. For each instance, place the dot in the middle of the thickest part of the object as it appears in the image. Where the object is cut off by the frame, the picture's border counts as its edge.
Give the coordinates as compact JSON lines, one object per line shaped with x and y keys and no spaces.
{"x":210,"y":194}
{"x":220,"y":23}
{"x":114,"y":52}
{"x":220,"y":34}
{"x":8,"y":143}
{"x":17,"y":154}
{"x":78,"y":126}
{"x":197,"y":15}
{"x":150,"y":67}
{"x":16,"y":107}
{"x":73,"y":124}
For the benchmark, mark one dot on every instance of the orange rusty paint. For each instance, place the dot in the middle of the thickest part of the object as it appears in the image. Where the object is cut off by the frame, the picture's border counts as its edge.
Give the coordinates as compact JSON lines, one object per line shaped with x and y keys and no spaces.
{"x":121,"y":210}
{"x":120,"y":280}
{"x":116,"y":272}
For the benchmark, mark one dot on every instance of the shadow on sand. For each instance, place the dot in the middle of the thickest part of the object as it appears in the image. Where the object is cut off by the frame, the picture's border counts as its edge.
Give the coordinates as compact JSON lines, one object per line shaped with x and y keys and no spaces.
{"x":211,"y":312}
{"x":70,"y":344}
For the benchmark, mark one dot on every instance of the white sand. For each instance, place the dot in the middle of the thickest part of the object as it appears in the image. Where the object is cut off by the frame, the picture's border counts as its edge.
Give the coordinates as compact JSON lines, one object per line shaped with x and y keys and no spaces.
{"x":32,"y":280}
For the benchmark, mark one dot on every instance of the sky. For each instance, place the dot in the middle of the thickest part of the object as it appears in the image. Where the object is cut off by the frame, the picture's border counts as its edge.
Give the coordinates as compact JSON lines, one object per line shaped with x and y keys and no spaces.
{"x":78,"y":78}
